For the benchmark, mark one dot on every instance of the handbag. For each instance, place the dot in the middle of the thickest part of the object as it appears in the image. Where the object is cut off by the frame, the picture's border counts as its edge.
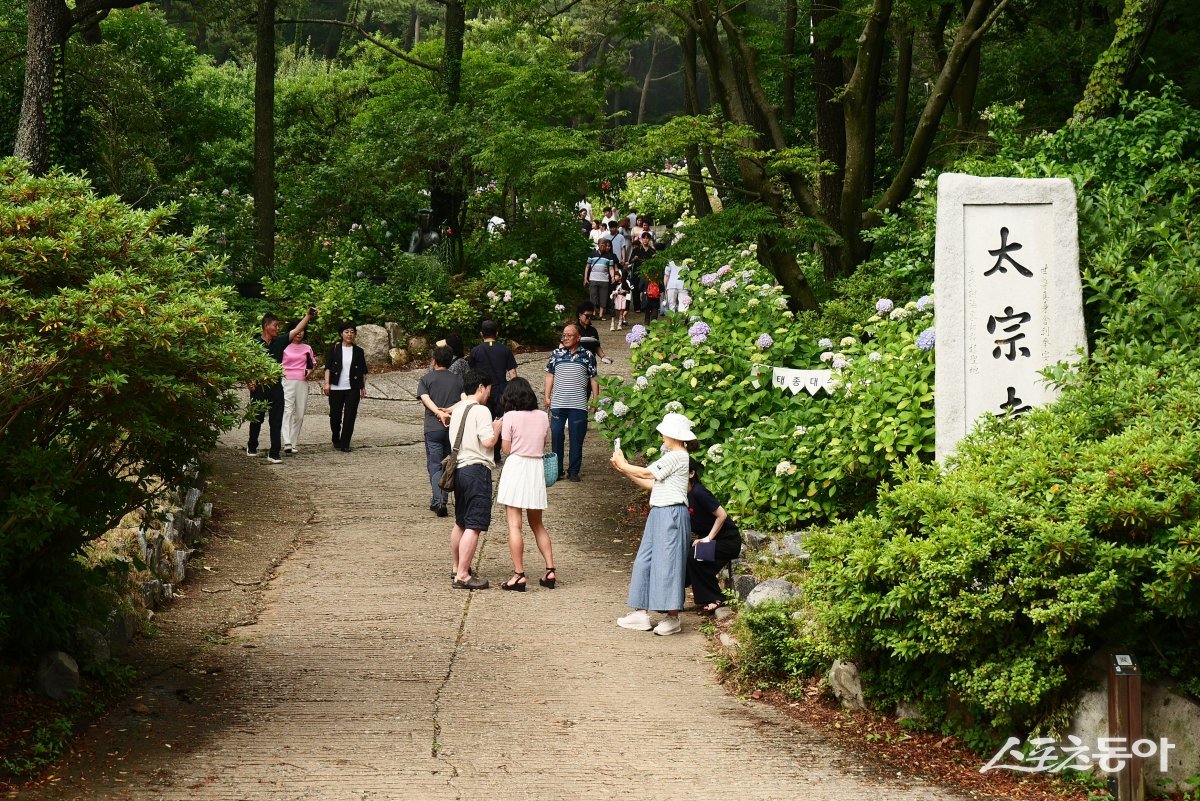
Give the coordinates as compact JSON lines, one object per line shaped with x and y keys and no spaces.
{"x":550,"y":467}
{"x":450,"y":463}
{"x":706,"y":551}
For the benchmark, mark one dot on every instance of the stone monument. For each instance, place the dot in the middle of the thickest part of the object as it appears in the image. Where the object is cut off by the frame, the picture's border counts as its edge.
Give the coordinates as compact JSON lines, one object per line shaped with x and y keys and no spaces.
{"x":1009,"y":300}
{"x":426,"y":236}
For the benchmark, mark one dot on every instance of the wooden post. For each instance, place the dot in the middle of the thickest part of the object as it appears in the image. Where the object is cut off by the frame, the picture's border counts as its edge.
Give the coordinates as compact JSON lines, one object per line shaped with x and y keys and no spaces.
{"x":1125,"y":722}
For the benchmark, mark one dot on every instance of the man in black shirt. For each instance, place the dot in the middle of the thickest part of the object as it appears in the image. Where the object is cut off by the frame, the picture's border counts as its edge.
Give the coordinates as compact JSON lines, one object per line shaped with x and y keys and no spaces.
{"x":271,"y":391}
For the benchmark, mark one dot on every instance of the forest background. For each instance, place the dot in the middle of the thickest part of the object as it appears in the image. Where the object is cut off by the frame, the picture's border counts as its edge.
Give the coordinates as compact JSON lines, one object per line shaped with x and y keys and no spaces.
{"x":202,"y":162}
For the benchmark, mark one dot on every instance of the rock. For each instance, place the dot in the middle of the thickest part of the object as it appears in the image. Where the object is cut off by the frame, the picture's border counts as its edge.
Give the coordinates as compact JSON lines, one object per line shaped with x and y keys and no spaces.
{"x":143,"y":547}
{"x":57,"y":675}
{"x":729,"y":641}
{"x":398,"y":357}
{"x":773,"y":590}
{"x":754,"y":539}
{"x":206,"y":511}
{"x":792,"y":545}
{"x":417,"y":345}
{"x":192,"y":529}
{"x":907,"y":710}
{"x":189,"y":502}
{"x":395,"y":334}
{"x":373,"y":339}
{"x":179,"y":566}
{"x":743,"y":584}
{"x":846,"y":685}
{"x":723,"y":613}
{"x":156,"y":552}
{"x":93,"y":644}
{"x":121,"y":627}
{"x":151,"y":593}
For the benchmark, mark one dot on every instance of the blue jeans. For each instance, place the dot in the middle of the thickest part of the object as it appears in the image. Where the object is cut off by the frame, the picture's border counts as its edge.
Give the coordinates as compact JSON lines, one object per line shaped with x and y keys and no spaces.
{"x":575,"y":421}
{"x":437,"y":447}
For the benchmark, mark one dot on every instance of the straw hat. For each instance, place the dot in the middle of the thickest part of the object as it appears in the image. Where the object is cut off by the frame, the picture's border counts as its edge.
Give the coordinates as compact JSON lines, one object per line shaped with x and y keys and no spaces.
{"x":676,"y":426}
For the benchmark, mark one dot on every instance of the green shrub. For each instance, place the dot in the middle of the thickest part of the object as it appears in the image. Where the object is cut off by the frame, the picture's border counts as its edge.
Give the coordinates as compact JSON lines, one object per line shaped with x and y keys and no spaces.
{"x":118,"y":358}
{"x":659,"y":197}
{"x":779,"y":643}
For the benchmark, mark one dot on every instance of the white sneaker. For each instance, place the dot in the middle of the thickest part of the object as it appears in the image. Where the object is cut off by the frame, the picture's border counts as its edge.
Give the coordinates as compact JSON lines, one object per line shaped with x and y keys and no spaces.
{"x":289,"y":449}
{"x":637,"y":621}
{"x":273,"y":460}
{"x":251,"y":453}
{"x":668,"y":625}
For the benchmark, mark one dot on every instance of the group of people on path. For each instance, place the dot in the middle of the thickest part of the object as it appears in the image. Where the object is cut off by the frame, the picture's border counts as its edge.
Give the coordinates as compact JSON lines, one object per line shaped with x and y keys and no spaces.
{"x":282,"y":404}
{"x":616,"y":276}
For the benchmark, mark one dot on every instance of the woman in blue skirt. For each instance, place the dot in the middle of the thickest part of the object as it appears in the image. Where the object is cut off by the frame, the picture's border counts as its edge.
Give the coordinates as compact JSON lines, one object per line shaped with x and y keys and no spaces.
{"x":661,"y":563}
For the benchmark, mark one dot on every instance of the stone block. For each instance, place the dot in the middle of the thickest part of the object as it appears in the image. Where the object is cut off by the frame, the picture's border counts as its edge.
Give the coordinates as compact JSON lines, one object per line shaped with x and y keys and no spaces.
{"x":754,"y":540}
{"x":417,"y":346}
{"x":373,"y":339}
{"x":846,"y":685}
{"x":723,"y":613}
{"x":398,"y":357}
{"x":206,"y":511}
{"x":743,"y":584}
{"x":179,"y":561}
{"x":122,"y":625}
{"x":57,"y":675}
{"x":772,"y":590}
{"x":396,"y":336}
{"x":93,"y":645}
{"x":189,"y":502}
{"x":792,"y":545}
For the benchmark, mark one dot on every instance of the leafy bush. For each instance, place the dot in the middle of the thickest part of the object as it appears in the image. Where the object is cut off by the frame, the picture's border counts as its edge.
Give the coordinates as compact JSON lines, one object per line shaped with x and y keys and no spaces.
{"x":777,"y":459}
{"x":117,"y":361}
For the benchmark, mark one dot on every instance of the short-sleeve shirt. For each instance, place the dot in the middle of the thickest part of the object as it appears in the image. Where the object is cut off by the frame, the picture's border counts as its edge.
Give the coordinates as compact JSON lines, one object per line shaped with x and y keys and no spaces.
{"x":495,"y":359}
{"x":600,"y":266}
{"x":526,"y":431}
{"x":589,"y":339}
{"x":445,"y":389}
{"x":573,"y":373}
{"x":275,"y":347}
{"x":702,"y":506}
{"x":298,"y":359}
{"x":670,"y":479}
{"x":479,"y":427}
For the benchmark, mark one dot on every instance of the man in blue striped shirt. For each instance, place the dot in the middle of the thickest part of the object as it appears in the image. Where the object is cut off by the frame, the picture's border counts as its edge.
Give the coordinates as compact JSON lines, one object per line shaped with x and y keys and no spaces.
{"x":571,"y":389}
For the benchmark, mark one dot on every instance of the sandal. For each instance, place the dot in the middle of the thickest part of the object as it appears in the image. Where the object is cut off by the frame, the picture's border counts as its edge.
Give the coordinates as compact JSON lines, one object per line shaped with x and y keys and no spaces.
{"x":548,"y":582}
{"x":710,"y":609}
{"x":516,"y":583}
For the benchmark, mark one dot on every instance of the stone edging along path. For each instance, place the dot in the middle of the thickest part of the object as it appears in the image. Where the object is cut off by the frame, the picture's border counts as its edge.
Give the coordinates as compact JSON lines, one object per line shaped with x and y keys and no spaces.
{"x":321,"y":654}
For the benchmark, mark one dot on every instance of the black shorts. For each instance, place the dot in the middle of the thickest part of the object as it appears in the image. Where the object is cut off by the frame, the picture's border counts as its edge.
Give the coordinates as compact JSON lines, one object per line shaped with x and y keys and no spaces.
{"x":473,"y":497}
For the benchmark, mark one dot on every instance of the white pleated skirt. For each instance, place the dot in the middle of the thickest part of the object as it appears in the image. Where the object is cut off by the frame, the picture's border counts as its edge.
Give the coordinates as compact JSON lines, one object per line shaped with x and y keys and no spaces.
{"x":522,"y":482}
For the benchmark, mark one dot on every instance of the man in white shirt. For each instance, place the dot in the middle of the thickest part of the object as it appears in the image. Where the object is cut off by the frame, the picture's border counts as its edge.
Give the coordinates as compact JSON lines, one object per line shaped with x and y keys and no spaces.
{"x":673,"y":279}
{"x":473,"y":476}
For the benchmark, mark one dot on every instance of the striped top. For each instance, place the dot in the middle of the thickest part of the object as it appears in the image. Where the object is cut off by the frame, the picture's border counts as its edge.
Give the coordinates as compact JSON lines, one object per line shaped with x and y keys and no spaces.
{"x":572,"y":373}
{"x":670,"y":479}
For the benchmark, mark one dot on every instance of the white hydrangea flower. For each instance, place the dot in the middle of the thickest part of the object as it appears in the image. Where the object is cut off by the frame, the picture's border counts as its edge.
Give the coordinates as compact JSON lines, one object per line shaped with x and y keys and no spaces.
{"x":715,"y":452}
{"x":785,"y":468}
{"x":875,"y":356}
{"x":601,"y":416}
{"x":781,"y":303}
{"x":688,"y":364}
{"x":848,"y":342}
{"x":827,"y":356}
{"x":673,"y":406}
{"x":642,"y":382}
{"x":620,"y":409}
{"x":899,"y":313}
{"x":752,"y":302}
{"x":825,"y":342}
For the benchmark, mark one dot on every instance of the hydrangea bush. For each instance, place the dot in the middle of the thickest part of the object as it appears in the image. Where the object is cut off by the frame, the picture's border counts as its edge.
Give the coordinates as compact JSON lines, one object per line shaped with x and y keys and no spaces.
{"x":777,"y":459}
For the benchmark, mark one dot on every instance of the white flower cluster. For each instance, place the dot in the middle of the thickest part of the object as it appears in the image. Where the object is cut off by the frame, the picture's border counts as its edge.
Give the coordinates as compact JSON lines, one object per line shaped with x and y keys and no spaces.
{"x":688,"y":364}
{"x":673,"y":406}
{"x":601,"y":416}
{"x":715,"y":453}
{"x":785,"y":468}
{"x":620,"y":409}
{"x":642,"y":382}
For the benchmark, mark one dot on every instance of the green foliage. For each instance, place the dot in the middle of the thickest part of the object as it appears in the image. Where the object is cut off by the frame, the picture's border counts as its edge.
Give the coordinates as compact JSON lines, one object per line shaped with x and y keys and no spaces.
{"x":118,"y":362}
{"x":779,"y":643}
{"x":660,"y":197}
{"x":554,"y":236}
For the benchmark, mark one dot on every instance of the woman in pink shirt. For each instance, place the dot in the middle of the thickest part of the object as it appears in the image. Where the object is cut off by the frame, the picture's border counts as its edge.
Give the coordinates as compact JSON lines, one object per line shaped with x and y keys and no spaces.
{"x":524,"y":428}
{"x":298,"y":359}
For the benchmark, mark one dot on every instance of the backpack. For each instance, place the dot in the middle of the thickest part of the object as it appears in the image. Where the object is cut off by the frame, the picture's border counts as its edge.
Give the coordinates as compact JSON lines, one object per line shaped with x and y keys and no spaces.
{"x":653,"y":291}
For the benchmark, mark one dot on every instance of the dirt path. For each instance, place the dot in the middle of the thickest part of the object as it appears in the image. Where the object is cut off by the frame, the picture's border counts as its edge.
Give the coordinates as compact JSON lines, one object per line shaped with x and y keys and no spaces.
{"x":354,"y":671}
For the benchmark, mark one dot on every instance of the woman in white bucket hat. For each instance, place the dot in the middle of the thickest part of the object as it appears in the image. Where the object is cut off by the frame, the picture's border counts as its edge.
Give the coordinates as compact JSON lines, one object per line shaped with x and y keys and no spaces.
{"x":661,"y":562}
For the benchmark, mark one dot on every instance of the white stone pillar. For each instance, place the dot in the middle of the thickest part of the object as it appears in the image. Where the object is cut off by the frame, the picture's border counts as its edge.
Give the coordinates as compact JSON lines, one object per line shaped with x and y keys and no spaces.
{"x":1008,"y":296}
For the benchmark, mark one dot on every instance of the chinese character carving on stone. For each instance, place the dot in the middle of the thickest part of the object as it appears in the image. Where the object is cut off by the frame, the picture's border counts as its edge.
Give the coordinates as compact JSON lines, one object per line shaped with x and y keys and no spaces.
{"x":1001,"y":254}
{"x":1009,"y":324}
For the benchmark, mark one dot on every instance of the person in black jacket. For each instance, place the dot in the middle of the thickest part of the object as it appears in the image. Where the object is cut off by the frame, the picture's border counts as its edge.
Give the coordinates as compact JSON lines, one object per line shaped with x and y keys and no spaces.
{"x":345,"y":384}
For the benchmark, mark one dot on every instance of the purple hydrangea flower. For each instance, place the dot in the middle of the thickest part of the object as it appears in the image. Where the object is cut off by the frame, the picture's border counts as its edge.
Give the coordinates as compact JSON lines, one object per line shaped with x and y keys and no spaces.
{"x":926,"y":339}
{"x":840,"y":364}
{"x":824,"y":343}
{"x":709,"y":279}
{"x":924,"y":303}
{"x":884,"y":306}
{"x":724,"y":271}
{"x":765,"y":342}
{"x":636,"y":334}
{"x":699,"y":332}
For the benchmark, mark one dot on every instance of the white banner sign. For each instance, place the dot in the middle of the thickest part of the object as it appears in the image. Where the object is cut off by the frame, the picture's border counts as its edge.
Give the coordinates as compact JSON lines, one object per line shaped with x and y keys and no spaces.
{"x":795,"y":380}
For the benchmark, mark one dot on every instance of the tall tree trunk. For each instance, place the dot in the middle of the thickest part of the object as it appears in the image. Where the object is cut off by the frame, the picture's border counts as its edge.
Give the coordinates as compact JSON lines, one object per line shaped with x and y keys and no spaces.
{"x":790,"y":18}
{"x":968,"y":83}
{"x":691,"y":93}
{"x":641,"y":115}
{"x":264,"y":137}
{"x":1115,"y":66}
{"x":47,"y":26}
{"x":445,"y":191}
{"x":904,"y":52}
{"x":828,"y":80}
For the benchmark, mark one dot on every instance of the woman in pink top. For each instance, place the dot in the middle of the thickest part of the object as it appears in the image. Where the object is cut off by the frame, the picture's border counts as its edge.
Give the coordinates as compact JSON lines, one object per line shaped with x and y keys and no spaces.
{"x":524,"y":428}
{"x":298,"y":359}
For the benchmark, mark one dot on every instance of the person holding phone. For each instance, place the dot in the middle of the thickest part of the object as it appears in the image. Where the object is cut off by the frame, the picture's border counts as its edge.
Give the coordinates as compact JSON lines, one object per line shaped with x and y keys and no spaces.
{"x":298,"y":360}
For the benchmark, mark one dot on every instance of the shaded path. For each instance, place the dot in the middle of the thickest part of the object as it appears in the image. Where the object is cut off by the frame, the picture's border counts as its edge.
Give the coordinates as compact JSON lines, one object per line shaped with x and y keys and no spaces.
{"x":353,"y":671}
